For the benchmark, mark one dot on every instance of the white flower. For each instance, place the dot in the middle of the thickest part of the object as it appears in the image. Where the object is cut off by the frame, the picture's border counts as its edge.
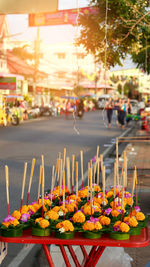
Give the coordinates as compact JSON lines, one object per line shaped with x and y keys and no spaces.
{"x":62,"y":230}
{"x":47,"y":217}
{"x":60,"y":212}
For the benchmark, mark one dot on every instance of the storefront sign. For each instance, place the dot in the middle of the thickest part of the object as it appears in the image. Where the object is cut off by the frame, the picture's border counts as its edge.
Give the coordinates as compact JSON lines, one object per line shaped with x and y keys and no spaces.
{"x":7,"y":83}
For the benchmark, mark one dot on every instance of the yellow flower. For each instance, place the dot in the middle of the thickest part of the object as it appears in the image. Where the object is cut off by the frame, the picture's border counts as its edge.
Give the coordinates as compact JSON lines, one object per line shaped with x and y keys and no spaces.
{"x":98,"y":226}
{"x":117,"y":223}
{"x":104,"y":220}
{"x":87,"y":210}
{"x":109,"y":194}
{"x":52,"y":215}
{"x":78,"y":217}
{"x":126,"y":219}
{"x":140,"y":216}
{"x":133,"y":222}
{"x":16,"y":214}
{"x":124,"y":227}
{"x":56,"y":208}
{"x":83,"y":193}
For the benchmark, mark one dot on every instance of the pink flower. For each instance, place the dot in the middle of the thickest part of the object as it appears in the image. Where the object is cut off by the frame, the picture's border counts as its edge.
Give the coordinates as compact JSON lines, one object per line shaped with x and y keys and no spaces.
{"x":94,"y":220}
{"x":137,"y":208}
{"x":108,"y":211}
{"x":25,"y":217}
{"x":116,"y":228}
{"x":9,"y":218}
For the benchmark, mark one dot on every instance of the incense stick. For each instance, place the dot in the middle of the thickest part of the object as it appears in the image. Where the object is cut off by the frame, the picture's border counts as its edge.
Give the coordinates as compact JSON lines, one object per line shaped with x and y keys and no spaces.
{"x":81,"y":155}
{"x":73,"y":161}
{"x":30,"y":180}
{"x":7,"y":186}
{"x":23,"y":184}
{"x":40,"y":179}
{"x":76,"y":179}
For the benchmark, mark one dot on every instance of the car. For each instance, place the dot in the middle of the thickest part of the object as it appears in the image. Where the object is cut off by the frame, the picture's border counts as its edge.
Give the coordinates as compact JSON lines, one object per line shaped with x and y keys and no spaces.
{"x":102,"y":99}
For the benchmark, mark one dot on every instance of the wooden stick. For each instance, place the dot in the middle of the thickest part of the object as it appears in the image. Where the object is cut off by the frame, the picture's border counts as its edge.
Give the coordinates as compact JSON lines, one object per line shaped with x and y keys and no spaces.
{"x":42,"y":160}
{"x":43,"y":183}
{"x":97,"y":158}
{"x":101,"y":160}
{"x":7,"y":186}
{"x":58,"y":171}
{"x":23,"y":184}
{"x":40,"y":179}
{"x":61,"y":177}
{"x":73,"y":161}
{"x":53,"y":182}
{"x":91,"y":200}
{"x":114,"y":180}
{"x":123,"y":191}
{"x":63,"y":189}
{"x":68,"y":174}
{"x":30,"y":180}
{"x":103,"y":179}
{"x":117,"y":165}
{"x":76,"y":179}
{"x":98,"y":173}
{"x":64,"y":158}
{"x":88,"y":180}
{"x":82,"y":177}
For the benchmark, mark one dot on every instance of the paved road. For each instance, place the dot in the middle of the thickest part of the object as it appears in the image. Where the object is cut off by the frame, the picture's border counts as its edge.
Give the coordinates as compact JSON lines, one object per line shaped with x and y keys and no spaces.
{"x":47,"y":137}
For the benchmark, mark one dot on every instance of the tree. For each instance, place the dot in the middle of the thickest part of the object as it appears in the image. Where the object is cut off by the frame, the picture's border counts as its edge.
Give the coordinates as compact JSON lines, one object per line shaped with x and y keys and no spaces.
{"x":124,"y":21}
{"x":22,"y":53}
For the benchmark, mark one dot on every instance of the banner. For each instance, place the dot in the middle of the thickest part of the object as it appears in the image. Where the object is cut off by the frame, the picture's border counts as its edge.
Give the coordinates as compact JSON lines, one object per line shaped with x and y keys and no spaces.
{"x":27,"y":6}
{"x":7,"y":83}
{"x":68,"y":16}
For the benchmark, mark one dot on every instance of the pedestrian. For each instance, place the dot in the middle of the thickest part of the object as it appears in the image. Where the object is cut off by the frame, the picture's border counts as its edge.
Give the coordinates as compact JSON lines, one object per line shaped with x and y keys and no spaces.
{"x":129,"y":111}
{"x":109,"y":107}
{"x":123,"y":112}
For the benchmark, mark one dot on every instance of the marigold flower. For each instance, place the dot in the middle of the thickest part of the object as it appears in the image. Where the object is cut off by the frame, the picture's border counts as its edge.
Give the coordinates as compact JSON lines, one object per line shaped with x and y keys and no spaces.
{"x":109,"y":194}
{"x":133,"y":222}
{"x":98,"y":226}
{"x":124,"y":227}
{"x":71,"y":207}
{"x":52,"y":215}
{"x":56,"y":208}
{"x":78,"y":217}
{"x":104,"y":220}
{"x":15,"y":222}
{"x":6,"y":224}
{"x":16,"y":214}
{"x":88,"y":226}
{"x":67,"y":225}
{"x":83,"y":193}
{"x":117,"y":223}
{"x":44,"y":223}
{"x":24,"y":209}
{"x":115,"y":213}
{"x":140,"y":216}
{"x":126,"y":219}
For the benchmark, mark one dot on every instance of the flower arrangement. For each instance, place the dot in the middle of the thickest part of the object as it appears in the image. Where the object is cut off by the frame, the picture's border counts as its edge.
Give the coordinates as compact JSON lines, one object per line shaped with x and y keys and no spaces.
{"x":92,"y":228}
{"x":41,"y":227}
{"x":78,"y":220}
{"x":64,"y":230}
{"x":11,"y":227}
{"x":120,"y":231}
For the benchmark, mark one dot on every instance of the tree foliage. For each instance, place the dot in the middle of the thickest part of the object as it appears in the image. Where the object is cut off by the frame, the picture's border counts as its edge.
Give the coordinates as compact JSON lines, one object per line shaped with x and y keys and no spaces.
{"x":124,"y":21}
{"x":22,"y":53}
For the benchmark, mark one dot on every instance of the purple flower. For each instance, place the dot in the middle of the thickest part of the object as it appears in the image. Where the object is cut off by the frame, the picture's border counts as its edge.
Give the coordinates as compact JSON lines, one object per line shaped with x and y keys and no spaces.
{"x":34,"y":202}
{"x":9,"y":218}
{"x":94,"y":159}
{"x":25,"y":217}
{"x":108,"y":211}
{"x":137,"y":208}
{"x":94,"y":220}
{"x":116,"y":228}
{"x":119,"y":211}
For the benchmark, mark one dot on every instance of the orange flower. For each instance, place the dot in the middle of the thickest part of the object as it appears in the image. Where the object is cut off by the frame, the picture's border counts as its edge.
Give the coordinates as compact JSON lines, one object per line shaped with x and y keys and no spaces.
{"x":104,"y":220}
{"x":117,"y":223}
{"x":124,"y":227}
{"x":140,"y":216}
{"x":52,"y":215}
{"x":70,"y":207}
{"x":16,"y":214}
{"x":6,"y":223}
{"x":88,"y":226}
{"x":15,"y":222}
{"x":56,"y":208}
{"x":87,"y":210}
{"x":133,"y":222}
{"x":24,"y":209}
{"x":42,"y":222}
{"x":83,"y":193}
{"x":126,"y":219}
{"x":115,"y":213}
{"x":109,"y":194}
{"x":67,"y":225}
{"x":78,"y":217}
{"x":98,"y":226}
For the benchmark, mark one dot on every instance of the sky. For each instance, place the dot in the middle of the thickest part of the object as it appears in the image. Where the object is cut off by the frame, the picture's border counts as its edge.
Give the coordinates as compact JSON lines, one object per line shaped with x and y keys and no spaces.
{"x":18,"y":24}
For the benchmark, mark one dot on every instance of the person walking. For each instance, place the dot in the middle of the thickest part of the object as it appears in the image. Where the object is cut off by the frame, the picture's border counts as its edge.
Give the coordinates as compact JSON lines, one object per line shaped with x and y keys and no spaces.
{"x":109,"y":108}
{"x":123,"y":112}
{"x":129,"y":111}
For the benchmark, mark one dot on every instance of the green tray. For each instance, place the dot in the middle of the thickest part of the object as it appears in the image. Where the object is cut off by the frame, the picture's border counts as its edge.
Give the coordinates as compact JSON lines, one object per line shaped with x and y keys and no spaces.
{"x":67,"y":235}
{"x":92,"y":235}
{"x":11,"y":232}
{"x":119,"y":236}
{"x":41,"y":232}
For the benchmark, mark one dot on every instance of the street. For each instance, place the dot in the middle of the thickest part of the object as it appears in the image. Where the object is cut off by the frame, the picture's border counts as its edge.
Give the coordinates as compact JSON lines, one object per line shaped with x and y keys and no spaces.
{"x":48,"y":137}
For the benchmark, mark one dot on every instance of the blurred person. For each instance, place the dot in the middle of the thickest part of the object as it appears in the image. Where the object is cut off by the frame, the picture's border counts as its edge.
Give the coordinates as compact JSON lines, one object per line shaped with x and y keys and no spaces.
{"x":109,"y":108}
{"x":123,"y":112}
{"x":129,"y":111}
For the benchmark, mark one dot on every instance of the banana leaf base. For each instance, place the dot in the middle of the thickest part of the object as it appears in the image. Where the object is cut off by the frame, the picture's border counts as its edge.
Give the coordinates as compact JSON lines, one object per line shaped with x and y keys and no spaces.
{"x":92,"y":235}
{"x":135,"y":231}
{"x":11,"y":232}
{"x":66,"y":235}
{"x":40,"y":232}
{"x":119,"y":236}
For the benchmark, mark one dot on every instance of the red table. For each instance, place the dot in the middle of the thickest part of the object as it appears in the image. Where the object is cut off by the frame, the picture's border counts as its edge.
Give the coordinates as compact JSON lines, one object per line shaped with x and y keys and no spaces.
{"x":91,"y":259}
